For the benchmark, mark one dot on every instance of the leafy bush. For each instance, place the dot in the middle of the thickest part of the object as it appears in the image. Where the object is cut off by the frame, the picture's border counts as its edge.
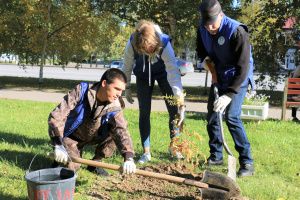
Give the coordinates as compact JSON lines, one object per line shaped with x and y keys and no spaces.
{"x":253,"y":98}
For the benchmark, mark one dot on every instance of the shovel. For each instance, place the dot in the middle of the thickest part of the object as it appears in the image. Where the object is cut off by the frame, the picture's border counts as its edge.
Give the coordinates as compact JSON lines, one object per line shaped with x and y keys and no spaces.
{"x":231,"y":159}
{"x":212,"y":185}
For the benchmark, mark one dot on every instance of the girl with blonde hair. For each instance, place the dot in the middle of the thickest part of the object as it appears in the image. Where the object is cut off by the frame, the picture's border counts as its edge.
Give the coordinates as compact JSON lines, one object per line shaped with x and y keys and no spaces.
{"x":149,"y":54}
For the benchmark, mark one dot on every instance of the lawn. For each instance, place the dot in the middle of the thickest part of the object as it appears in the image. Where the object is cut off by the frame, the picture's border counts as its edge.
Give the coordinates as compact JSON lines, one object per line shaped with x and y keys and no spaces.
{"x":23,"y":134}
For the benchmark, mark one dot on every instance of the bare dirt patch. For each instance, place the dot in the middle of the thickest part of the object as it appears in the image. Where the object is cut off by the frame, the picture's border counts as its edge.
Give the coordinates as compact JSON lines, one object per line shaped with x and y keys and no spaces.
{"x":117,"y":186}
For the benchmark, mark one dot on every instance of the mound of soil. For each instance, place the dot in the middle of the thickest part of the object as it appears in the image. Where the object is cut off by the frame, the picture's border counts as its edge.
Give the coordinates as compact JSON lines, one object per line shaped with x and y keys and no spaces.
{"x":117,"y":186}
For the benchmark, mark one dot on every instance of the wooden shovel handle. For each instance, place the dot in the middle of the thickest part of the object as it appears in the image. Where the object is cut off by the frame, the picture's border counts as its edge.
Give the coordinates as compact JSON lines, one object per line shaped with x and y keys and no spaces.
{"x":166,"y":177}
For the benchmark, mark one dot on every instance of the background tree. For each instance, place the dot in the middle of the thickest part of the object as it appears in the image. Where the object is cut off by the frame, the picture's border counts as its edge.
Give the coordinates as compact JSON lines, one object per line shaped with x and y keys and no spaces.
{"x":61,"y":29}
{"x":265,"y":20}
{"x":118,"y":45}
{"x":74,"y":30}
{"x":176,"y":18}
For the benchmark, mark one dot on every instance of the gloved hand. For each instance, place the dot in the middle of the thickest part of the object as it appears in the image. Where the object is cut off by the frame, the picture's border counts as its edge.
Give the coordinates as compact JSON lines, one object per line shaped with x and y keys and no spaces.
{"x":60,"y":154}
{"x":221,"y":103}
{"x":129,"y":166}
{"x":181,"y":112}
{"x":128,"y":95}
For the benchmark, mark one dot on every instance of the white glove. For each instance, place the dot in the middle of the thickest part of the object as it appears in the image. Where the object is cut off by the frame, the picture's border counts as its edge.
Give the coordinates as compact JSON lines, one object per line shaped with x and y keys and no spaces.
{"x":129,"y":166}
{"x":221,"y":103}
{"x":60,"y":154}
{"x":128,"y":95}
{"x":181,"y":112}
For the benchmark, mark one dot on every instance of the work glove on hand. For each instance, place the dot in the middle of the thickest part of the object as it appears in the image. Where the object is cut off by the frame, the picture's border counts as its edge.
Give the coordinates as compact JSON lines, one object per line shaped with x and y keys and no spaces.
{"x":221,"y":103}
{"x":181,"y":113}
{"x":60,"y":154}
{"x":128,"y":95}
{"x":129,"y":166}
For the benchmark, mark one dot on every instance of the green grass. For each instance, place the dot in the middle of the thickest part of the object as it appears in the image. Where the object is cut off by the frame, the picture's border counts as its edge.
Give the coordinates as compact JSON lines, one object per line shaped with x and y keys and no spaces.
{"x":199,"y":94}
{"x":23,"y":134}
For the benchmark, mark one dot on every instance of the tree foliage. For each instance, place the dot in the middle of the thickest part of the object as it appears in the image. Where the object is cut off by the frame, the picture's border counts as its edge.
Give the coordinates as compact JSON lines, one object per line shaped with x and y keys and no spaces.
{"x":265,"y":20}
{"x":118,"y":45}
{"x":73,"y":30}
{"x":65,"y":29}
{"x":176,"y":18}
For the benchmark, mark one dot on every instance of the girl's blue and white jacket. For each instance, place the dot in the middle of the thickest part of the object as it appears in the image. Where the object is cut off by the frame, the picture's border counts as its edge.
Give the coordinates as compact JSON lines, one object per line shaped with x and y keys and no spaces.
{"x":160,"y":64}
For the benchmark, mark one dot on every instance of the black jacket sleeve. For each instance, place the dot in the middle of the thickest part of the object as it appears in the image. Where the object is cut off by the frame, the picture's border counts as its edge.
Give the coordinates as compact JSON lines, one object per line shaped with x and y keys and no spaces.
{"x":201,"y":52}
{"x":240,"y":46}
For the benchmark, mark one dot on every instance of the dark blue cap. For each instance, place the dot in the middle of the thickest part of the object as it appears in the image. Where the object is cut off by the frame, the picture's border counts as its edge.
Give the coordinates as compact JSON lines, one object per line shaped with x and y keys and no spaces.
{"x":209,"y":9}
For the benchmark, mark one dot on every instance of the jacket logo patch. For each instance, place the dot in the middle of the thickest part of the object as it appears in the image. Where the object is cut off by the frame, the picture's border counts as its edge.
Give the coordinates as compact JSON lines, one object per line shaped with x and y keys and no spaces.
{"x":221,"y":40}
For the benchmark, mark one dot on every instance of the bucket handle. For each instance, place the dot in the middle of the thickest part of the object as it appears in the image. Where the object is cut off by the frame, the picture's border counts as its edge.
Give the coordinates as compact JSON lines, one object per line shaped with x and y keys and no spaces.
{"x":50,"y":155}
{"x":28,"y":170}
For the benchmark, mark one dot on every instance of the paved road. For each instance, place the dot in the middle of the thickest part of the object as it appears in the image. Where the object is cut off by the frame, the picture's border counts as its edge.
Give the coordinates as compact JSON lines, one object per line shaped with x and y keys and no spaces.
{"x":86,"y":73}
{"x":93,"y":74}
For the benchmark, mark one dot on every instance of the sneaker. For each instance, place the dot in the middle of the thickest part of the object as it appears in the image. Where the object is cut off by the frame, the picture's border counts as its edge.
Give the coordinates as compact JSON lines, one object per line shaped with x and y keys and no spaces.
{"x":175,"y":154}
{"x":98,"y":170}
{"x":145,"y":158}
{"x":211,"y":161}
{"x":246,"y":170}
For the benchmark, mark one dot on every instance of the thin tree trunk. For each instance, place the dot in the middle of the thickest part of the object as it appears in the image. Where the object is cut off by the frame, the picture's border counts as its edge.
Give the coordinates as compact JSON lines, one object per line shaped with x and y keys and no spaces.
{"x":172,"y":23}
{"x":43,"y":59}
{"x":45,"y":42}
{"x":91,"y":60}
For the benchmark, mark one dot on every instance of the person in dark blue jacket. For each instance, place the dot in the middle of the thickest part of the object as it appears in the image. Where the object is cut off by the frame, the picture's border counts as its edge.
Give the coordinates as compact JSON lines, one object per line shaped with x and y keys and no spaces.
{"x":225,"y":42}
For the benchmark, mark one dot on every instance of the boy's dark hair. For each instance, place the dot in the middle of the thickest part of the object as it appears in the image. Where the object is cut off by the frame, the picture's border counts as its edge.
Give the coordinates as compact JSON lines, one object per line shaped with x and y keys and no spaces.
{"x":111,"y":74}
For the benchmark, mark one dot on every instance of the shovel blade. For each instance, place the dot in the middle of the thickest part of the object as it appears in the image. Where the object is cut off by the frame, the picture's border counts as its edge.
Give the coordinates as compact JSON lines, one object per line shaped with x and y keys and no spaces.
{"x":231,"y":167}
{"x":221,"y":182}
{"x":213,"y":193}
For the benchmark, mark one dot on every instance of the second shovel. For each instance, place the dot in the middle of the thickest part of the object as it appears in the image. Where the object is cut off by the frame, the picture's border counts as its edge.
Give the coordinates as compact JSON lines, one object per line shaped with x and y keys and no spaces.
{"x":231,"y":159}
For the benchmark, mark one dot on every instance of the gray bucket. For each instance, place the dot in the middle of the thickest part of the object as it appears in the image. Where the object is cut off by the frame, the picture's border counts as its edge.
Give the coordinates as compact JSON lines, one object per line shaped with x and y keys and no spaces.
{"x":51,"y":184}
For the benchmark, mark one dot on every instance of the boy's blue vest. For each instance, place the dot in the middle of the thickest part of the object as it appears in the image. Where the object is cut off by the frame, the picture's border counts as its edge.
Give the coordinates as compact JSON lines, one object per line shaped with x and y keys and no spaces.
{"x":158,"y":69}
{"x":219,"y":50}
{"x":76,"y":116}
